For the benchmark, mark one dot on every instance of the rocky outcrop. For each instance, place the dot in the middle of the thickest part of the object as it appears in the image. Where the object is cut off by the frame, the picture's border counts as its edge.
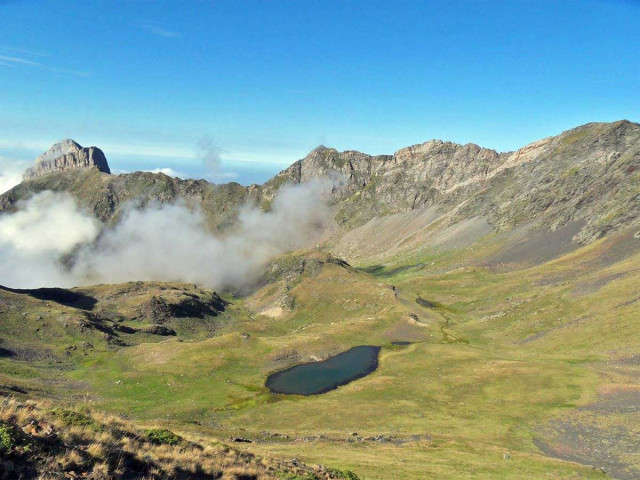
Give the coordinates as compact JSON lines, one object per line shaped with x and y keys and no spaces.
{"x":67,"y":155}
{"x":197,"y":304}
{"x":434,"y":164}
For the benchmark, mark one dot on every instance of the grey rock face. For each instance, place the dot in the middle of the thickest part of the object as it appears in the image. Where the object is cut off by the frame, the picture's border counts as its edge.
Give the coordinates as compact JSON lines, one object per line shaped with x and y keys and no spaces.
{"x":409,"y":178}
{"x":414,"y":177}
{"x":67,"y":155}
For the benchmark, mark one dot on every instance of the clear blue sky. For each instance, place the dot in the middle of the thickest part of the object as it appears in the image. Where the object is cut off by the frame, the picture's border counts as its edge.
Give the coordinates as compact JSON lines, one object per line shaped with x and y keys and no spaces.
{"x":268,"y":81}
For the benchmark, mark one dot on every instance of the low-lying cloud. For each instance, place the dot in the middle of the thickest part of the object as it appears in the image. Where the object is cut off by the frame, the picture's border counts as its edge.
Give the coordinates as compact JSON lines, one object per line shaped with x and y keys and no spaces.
{"x":35,"y":240}
{"x":50,"y":241}
{"x":11,"y":173}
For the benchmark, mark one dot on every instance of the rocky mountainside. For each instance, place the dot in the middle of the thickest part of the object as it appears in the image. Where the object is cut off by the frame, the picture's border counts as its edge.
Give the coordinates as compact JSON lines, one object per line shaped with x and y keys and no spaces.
{"x":67,"y":155}
{"x":105,"y":195}
{"x":42,"y":439}
{"x":590,"y":174}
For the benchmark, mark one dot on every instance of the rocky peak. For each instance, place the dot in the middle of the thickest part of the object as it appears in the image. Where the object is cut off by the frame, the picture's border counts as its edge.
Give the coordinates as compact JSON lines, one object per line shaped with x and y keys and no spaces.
{"x":447,"y":165}
{"x":435,"y":164}
{"x":322,"y":149}
{"x":67,"y":155}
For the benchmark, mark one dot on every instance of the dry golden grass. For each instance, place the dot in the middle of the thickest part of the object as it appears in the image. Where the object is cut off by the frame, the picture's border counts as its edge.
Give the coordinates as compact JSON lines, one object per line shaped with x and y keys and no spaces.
{"x":44,"y":442}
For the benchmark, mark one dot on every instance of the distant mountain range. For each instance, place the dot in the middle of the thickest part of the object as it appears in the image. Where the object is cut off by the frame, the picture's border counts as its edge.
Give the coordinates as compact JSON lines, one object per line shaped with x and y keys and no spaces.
{"x":588,"y":176}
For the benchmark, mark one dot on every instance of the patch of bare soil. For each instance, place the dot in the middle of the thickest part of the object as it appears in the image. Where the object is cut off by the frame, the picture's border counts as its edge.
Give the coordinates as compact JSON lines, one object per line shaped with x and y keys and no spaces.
{"x":537,"y":246}
{"x":618,"y":248}
{"x":592,"y":286}
{"x":604,"y":434}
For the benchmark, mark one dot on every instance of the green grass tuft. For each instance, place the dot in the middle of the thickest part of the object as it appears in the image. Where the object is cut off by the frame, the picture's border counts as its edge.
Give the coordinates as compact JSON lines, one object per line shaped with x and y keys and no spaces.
{"x":75,"y":419}
{"x":161,"y":436}
{"x":7,"y":438}
{"x":346,"y":474}
{"x":294,"y":476}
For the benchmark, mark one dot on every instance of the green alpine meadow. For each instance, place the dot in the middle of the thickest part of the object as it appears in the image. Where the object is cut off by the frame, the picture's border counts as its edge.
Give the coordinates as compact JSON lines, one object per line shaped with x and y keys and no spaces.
{"x":319,"y":240}
{"x":500,"y":289}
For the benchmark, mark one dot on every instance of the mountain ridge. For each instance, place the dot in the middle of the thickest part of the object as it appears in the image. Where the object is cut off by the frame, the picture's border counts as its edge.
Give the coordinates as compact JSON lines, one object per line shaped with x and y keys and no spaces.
{"x":588,"y":172}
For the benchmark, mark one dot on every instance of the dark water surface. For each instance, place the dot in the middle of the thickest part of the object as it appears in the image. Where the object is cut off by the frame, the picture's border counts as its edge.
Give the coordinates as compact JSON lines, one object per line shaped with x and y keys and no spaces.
{"x":320,"y":377}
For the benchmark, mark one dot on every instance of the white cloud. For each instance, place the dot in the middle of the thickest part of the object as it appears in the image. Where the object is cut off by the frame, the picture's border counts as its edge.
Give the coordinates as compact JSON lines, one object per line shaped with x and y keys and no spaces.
{"x":19,"y":61}
{"x":168,"y":242}
{"x":11,"y":173}
{"x":169,"y":172}
{"x":221,"y":177}
{"x":216,"y":177}
{"x":172,"y":242}
{"x":21,"y":51}
{"x":47,"y":222}
{"x":209,"y":153}
{"x":12,"y":61}
{"x":157,"y":30}
{"x":151,"y":153}
{"x":34,"y":240}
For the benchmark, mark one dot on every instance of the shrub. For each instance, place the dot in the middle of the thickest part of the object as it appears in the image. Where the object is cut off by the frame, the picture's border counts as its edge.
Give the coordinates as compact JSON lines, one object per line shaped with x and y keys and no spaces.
{"x":161,"y":436}
{"x":73,"y":418}
{"x":345,"y":474}
{"x":293,"y":476}
{"x":7,"y":438}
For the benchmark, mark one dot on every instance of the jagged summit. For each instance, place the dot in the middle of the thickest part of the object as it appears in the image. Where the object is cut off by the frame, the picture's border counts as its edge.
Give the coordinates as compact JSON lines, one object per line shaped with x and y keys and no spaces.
{"x":321,"y":148}
{"x":67,"y":155}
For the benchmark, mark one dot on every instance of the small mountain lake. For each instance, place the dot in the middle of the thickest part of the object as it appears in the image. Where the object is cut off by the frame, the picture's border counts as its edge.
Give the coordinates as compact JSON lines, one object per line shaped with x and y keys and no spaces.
{"x":320,"y":377}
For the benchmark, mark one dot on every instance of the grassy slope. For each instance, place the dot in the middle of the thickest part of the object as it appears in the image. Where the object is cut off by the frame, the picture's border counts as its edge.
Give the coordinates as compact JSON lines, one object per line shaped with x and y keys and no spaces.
{"x":40,"y":440}
{"x":502,"y":354}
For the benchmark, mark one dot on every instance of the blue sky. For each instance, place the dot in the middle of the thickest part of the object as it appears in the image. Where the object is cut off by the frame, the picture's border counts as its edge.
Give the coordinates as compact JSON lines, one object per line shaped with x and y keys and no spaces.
{"x":267,"y":81}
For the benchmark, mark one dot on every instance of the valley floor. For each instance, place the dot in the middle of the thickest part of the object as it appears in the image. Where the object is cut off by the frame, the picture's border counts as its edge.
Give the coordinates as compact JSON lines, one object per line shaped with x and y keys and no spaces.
{"x":526,"y":370}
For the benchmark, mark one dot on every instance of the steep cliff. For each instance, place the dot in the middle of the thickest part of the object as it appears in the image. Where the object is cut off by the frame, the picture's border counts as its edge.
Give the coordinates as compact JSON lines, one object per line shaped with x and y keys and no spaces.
{"x":67,"y":155}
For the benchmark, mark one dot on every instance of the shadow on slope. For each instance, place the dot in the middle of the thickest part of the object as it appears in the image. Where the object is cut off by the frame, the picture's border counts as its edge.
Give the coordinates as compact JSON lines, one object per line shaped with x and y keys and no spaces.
{"x":61,"y":296}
